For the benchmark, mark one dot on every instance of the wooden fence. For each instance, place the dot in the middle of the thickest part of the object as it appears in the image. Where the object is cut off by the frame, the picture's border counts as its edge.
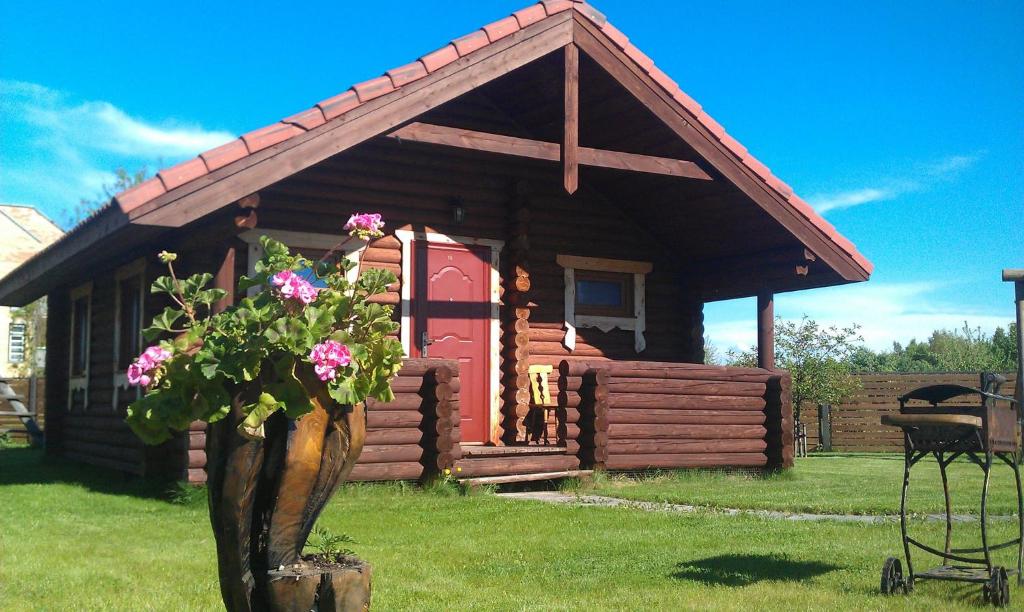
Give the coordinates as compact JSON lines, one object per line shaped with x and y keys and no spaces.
{"x":33,"y":401}
{"x":856,"y":424}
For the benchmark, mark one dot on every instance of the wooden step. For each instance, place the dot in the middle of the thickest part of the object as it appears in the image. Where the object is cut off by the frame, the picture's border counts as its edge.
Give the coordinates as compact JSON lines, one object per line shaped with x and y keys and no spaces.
{"x":469,"y":451}
{"x":494,"y":480}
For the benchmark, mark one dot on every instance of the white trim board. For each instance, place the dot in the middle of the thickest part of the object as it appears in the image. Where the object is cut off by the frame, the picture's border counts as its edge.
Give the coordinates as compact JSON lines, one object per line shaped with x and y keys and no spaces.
{"x":637,"y":323}
{"x":406,"y":237}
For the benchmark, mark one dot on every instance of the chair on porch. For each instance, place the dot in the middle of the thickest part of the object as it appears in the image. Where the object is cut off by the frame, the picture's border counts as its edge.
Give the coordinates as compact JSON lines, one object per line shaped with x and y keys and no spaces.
{"x":542,"y":407}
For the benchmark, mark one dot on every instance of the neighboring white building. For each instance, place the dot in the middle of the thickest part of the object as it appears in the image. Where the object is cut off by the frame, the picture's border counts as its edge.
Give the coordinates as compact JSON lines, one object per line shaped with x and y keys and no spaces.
{"x":24,"y":231}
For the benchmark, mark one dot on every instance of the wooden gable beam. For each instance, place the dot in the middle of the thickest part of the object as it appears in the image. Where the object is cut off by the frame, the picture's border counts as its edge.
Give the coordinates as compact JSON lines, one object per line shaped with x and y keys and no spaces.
{"x":538,"y":149}
{"x":571,"y":121}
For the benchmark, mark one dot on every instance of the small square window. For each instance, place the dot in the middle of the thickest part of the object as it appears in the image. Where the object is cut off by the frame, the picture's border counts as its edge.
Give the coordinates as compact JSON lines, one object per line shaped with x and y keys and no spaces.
{"x":606,"y":294}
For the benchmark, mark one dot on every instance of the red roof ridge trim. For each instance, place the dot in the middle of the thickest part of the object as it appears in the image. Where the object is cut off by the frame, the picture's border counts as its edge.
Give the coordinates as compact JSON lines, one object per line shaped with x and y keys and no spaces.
{"x":331,"y":108}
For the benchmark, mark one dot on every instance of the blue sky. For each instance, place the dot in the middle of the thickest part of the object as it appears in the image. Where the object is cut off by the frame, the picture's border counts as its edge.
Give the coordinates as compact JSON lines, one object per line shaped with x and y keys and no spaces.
{"x":902,"y":122}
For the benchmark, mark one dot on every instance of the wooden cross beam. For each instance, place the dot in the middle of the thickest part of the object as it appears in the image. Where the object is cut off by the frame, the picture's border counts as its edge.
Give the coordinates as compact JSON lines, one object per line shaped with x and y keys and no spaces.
{"x":538,"y":149}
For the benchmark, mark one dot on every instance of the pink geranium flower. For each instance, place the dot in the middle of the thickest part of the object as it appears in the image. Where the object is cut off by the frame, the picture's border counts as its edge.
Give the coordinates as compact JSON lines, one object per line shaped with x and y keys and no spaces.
{"x":144,"y":364}
{"x":137,"y":375}
{"x":327,"y":357}
{"x":365,"y":225}
{"x":282,"y":277}
{"x":291,"y":286}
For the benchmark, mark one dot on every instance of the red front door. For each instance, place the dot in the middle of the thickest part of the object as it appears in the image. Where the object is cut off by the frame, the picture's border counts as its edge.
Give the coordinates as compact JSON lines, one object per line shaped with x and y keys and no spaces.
{"x":451,"y":320}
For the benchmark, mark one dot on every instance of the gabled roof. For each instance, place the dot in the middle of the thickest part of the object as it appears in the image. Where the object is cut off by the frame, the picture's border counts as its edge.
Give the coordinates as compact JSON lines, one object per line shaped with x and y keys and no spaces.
{"x":214,"y":170}
{"x":26,"y":231}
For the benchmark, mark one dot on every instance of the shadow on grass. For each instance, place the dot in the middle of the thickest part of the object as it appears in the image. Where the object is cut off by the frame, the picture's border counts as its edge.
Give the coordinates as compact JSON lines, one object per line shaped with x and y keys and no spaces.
{"x":742,"y":570}
{"x":25,"y":465}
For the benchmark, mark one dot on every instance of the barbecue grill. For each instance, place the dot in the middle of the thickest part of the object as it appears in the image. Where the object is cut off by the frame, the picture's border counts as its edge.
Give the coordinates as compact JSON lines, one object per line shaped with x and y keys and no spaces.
{"x":983,"y":432}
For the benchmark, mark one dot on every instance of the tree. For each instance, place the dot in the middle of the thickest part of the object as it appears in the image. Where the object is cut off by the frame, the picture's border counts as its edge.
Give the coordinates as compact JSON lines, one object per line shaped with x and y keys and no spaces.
{"x":818,"y":358}
{"x":34,"y":317}
{"x":86,"y":206}
{"x":964,"y":350}
{"x":712,"y":356}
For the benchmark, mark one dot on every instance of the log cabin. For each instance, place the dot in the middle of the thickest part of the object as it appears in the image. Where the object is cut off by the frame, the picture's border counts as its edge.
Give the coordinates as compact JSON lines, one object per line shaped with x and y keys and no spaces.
{"x":559,"y":211}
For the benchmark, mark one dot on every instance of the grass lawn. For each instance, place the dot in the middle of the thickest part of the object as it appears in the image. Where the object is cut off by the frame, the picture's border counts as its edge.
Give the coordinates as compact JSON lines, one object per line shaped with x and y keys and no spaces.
{"x":75,"y":538}
{"x":867,"y":483}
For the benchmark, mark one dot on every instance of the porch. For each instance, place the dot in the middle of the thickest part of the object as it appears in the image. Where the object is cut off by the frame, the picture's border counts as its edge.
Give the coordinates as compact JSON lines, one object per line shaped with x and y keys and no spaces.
{"x":614,"y":415}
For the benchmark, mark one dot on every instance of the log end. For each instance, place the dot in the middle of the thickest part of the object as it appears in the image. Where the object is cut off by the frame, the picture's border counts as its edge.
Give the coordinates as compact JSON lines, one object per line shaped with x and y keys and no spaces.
{"x":315,"y":584}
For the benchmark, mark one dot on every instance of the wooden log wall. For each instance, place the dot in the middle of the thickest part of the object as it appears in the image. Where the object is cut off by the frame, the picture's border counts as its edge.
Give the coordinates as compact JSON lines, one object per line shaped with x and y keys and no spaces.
{"x":91,"y":431}
{"x":58,"y":306}
{"x":515,"y":378}
{"x":779,"y":412}
{"x":583,"y":401}
{"x":386,"y":254}
{"x":680,"y":415}
{"x":12,"y":424}
{"x":415,"y":436}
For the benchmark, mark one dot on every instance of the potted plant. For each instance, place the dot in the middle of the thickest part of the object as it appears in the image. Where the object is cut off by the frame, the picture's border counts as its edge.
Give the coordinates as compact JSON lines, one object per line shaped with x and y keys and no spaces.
{"x":281,"y":378}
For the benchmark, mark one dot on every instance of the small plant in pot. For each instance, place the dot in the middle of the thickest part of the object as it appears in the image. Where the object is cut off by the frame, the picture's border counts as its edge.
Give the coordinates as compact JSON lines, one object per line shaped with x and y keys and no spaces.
{"x":281,"y":377}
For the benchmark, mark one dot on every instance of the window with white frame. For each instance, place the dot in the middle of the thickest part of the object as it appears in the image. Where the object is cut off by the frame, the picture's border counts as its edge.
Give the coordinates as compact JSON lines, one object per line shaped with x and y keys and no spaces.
{"x":16,"y":338}
{"x":310,"y":245}
{"x":78,"y":362}
{"x":605,"y":294}
{"x":129,"y":307}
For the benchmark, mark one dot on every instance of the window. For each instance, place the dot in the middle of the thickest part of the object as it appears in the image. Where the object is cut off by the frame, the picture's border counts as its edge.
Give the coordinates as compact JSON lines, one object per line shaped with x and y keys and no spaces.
{"x":78,"y":352}
{"x":606,"y":294}
{"x":80,"y":335}
{"x":16,"y":343}
{"x":312,"y":246}
{"x":129,"y":312}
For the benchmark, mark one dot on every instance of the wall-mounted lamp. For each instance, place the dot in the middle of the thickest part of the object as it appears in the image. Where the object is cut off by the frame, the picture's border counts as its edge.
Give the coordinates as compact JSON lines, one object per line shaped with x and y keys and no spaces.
{"x":458,"y":211}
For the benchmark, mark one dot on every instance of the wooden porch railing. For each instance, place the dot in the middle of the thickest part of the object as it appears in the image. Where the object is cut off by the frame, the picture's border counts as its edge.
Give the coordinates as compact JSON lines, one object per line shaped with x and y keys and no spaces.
{"x":415,"y":436}
{"x":636,"y":415}
{"x":583,"y":408}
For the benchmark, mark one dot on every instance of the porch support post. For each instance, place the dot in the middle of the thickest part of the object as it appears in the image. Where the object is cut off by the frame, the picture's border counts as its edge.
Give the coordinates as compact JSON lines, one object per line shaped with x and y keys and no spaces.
{"x":571,"y":133}
{"x":225,"y":279}
{"x":1016,"y":276}
{"x":766,"y":330}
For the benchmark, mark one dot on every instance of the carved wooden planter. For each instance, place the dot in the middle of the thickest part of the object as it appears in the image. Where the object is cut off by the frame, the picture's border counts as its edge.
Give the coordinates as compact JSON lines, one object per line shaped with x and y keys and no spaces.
{"x":264,"y":497}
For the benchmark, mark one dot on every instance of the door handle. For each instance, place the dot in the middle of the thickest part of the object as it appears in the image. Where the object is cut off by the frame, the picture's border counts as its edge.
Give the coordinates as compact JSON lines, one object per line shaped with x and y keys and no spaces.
{"x":425,"y":342}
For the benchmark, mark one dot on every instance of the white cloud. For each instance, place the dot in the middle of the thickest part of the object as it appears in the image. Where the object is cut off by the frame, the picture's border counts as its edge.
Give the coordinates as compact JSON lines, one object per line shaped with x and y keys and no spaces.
{"x":101,"y":125}
{"x":846,"y":199}
{"x":58,"y":150}
{"x":951,"y":167}
{"x":922,"y":177}
{"x":886,"y":312}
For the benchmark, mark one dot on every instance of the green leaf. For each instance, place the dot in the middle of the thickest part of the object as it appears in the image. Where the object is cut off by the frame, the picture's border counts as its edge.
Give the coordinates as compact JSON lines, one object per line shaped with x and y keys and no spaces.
{"x":342,"y":392}
{"x":210,"y":296}
{"x":245,"y":282}
{"x":163,"y":284}
{"x":293,"y":396}
{"x":257,"y":414}
{"x":163,"y":323}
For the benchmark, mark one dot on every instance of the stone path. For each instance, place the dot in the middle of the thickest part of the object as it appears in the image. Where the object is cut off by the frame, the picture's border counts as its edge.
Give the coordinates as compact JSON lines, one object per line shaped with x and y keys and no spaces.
{"x":556,"y":497}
